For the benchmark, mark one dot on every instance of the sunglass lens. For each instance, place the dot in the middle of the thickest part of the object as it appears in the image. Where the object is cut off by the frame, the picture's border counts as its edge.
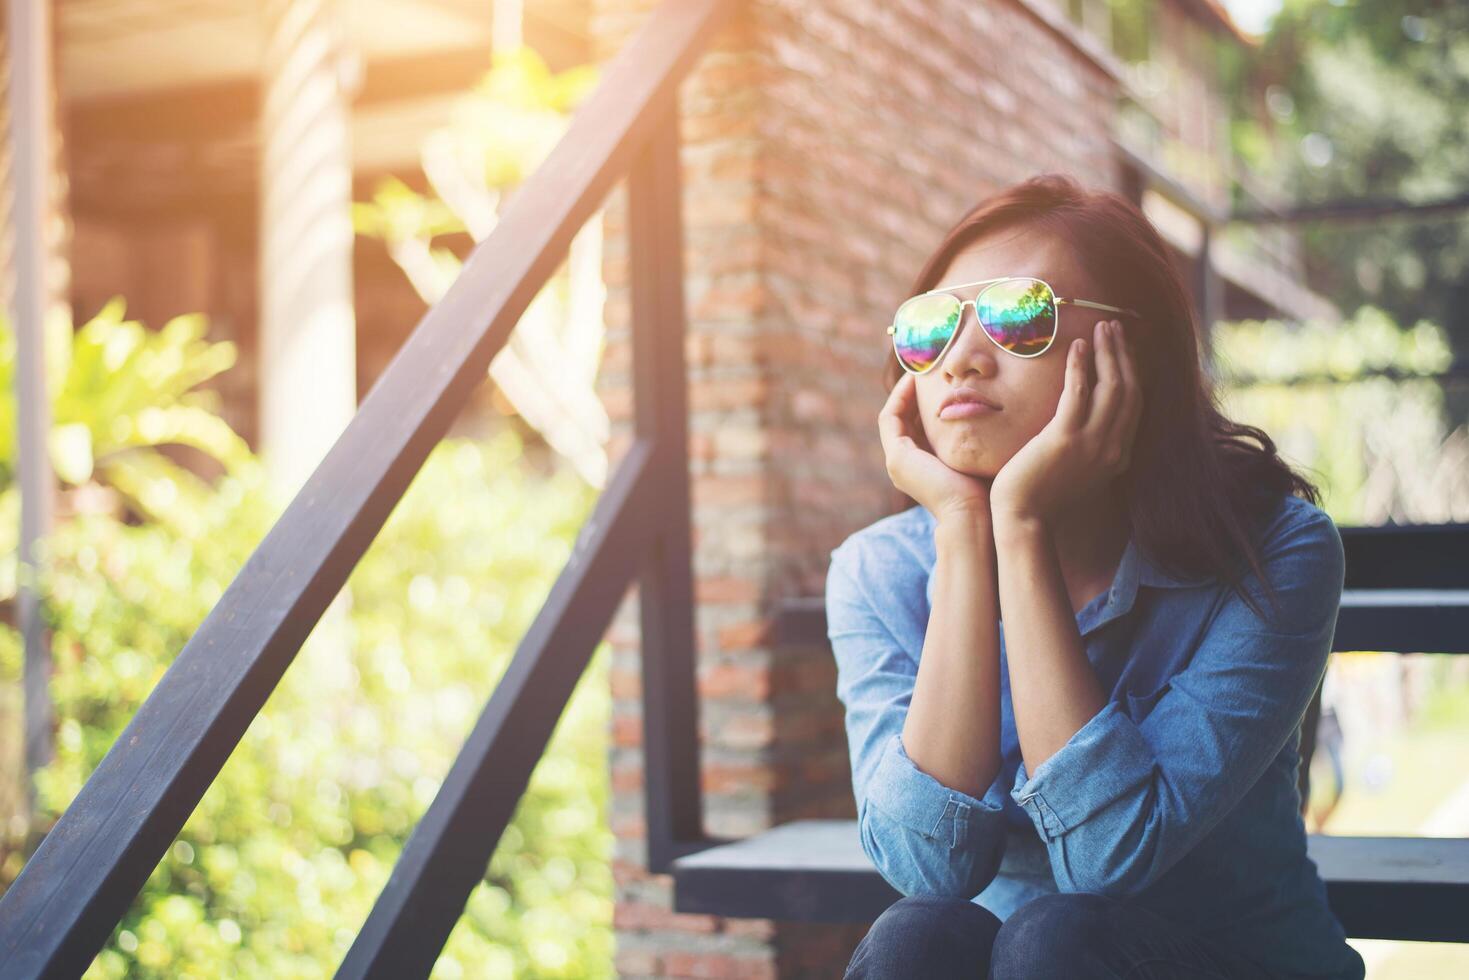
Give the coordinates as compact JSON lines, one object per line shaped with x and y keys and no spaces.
{"x":922,"y":326}
{"x":1020,"y":314}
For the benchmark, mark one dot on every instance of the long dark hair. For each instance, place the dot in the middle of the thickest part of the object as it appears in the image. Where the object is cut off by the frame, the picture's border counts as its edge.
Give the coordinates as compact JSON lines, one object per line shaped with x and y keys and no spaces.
{"x":1198,"y":485}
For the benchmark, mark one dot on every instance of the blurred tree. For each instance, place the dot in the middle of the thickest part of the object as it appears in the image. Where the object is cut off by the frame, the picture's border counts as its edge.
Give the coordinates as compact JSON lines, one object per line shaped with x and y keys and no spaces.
{"x":1349,"y":99}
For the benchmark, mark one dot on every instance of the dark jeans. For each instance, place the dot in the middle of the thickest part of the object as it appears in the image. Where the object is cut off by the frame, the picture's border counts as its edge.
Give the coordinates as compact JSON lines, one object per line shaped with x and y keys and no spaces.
{"x":1075,"y":935}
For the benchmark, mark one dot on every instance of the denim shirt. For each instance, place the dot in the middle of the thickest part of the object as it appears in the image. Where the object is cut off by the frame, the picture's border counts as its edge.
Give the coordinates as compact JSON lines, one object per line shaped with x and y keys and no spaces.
{"x":1180,"y":794}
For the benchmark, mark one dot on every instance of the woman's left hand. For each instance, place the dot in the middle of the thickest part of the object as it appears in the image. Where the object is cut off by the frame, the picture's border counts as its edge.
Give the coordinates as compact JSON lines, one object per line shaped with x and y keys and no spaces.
{"x":1086,"y":445}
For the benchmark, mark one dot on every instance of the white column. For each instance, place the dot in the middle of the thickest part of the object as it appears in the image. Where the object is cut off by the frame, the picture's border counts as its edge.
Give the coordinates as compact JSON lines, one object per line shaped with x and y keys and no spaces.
{"x":307,"y":375}
{"x":307,"y":369}
{"x":39,"y":310}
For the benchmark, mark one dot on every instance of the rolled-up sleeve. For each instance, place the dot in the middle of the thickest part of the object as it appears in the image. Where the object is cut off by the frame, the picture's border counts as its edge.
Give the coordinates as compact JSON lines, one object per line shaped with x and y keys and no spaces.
{"x":1127,"y":797}
{"x":923,"y":836}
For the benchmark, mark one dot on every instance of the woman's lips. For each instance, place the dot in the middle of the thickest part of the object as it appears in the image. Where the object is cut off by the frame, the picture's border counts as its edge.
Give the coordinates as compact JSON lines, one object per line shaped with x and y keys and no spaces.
{"x":964,"y":410}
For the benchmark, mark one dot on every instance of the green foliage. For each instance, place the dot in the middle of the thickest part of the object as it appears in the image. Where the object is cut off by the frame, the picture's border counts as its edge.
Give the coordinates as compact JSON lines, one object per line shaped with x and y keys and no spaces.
{"x":276,"y":869}
{"x":1132,"y":28}
{"x":500,"y":131}
{"x":118,"y":392}
{"x":1323,"y":392}
{"x":1367,"y":342}
{"x":398,"y":212}
{"x":1368,"y":100}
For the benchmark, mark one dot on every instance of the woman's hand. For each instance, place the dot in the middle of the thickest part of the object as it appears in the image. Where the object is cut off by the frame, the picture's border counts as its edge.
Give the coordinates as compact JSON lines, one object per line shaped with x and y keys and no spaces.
{"x":940,"y":488}
{"x":1088,"y":442}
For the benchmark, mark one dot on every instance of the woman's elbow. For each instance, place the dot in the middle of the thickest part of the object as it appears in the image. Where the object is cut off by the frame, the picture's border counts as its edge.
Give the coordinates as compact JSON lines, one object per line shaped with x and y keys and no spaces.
{"x":1120,"y":853}
{"x":1117,"y":872}
{"x":916,"y":864}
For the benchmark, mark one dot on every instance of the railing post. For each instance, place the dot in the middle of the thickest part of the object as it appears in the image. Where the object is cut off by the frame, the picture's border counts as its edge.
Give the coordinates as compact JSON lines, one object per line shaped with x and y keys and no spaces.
{"x":674,"y":801}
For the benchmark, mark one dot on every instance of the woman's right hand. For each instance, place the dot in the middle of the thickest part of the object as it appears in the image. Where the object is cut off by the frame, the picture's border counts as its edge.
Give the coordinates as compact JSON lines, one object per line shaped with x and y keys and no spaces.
{"x":940,"y":488}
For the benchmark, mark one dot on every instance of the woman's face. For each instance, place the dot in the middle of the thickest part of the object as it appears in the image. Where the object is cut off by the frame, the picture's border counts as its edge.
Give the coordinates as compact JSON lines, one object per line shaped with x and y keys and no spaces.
{"x":1026,"y":389}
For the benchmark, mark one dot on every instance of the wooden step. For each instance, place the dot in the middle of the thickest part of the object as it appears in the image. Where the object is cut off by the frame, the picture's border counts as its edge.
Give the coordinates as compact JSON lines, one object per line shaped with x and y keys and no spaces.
{"x":1411,"y":888}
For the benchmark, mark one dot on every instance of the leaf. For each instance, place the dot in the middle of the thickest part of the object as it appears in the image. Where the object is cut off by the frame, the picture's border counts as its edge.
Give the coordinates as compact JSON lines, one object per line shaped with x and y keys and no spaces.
{"x":71,"y":452}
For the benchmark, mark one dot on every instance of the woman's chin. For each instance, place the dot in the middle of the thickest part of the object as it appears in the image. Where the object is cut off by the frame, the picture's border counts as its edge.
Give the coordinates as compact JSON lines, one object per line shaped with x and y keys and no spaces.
{"x":971,"y":464}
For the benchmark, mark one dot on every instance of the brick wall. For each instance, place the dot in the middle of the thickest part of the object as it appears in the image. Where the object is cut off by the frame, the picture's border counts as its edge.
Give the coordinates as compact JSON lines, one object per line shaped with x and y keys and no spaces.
{"x":826,"y":148}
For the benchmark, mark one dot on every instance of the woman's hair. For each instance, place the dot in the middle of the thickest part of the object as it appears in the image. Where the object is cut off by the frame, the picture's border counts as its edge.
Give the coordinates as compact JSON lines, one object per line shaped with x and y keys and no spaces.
{"x":1197,"y":488}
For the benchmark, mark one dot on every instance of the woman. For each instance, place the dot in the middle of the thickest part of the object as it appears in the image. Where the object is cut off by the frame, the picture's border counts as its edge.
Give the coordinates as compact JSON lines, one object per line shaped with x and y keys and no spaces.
{"x":1075,"y":667}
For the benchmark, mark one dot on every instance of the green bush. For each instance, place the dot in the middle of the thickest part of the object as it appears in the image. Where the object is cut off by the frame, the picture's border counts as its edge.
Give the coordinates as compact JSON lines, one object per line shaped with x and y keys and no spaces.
{"x":275,"y":871}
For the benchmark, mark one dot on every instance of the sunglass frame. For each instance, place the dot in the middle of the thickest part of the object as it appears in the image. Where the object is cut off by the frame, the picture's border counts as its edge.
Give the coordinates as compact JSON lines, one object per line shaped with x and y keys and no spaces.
{"x":1056,"y":302}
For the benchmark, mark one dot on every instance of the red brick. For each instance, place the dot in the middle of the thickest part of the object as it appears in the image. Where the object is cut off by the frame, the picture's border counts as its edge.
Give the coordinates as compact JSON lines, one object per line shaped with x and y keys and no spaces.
{"x":640,"y":915}
{"x":746,"y":730}
{"x":625,"y":872}
{"x":739,"y":779}
{"x":626,"y":683}
{"x":752,"y":928}
{"x":722,"y":396}
{"x":629,"y":826}
{"x":734,"y":167}
{"x":724,"y":966}
{"x":727,"y":491}
{"x":627,"y":780}
{"x":699,"y":128}
{"x":637,"y":961}
{"x":745,"y":636}
{"x":740,"y":299}
{"x":717,"y":589}
{"x":618,"y":401}
{"x":701,"y":446}
{"x":750,"y":682}
{"x":627,"y":731}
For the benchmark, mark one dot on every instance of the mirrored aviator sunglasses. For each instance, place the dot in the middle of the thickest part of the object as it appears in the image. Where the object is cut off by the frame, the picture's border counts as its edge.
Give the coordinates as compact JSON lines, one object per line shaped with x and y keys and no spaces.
{"x":1017,"y":313}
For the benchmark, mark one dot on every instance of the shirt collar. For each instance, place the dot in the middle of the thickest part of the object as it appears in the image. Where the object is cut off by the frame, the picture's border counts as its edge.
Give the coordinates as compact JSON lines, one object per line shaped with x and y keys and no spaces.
{"x":1150,"y":573}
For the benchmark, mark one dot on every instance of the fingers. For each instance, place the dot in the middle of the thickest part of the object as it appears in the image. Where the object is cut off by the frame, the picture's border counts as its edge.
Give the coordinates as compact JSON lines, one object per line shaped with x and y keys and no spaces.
{"x":1131,"y":386}
{"x":1107,"y":397}
{"x":896,"y":405}
{"x":1117,"y":398}
{"x":1071,"y":411}
{"x":892,"y":421}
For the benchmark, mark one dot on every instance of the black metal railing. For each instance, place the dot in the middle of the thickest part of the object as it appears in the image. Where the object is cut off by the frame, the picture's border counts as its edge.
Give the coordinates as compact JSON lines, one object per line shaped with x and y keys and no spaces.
{"x":79,"y":883}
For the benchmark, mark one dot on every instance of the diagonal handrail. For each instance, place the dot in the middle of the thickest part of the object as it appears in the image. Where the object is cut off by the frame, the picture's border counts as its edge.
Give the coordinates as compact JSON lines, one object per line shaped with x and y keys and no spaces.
{"x":78,"y":884}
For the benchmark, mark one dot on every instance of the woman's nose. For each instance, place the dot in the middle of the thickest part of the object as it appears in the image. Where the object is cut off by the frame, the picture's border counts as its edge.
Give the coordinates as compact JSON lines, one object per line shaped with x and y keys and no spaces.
{"x":971,"y":350}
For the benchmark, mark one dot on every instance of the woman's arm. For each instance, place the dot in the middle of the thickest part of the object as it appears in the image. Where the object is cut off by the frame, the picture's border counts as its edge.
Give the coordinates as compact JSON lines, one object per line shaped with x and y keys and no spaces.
{"x":1121,"y":792}
{"x":952,"y":731}
{"x":1139,"y":785}
{"x":924,"y":834}
{"x":924,"y":742}
{"x":1053,"y":689}
{"x":1079,"y":453}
